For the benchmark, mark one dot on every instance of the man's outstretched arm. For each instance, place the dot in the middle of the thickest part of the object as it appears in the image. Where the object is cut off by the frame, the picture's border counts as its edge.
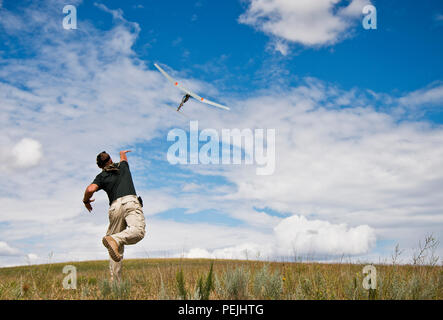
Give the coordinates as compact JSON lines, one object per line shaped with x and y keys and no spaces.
{"x":123,"y":156}
{"x":88,"y":194}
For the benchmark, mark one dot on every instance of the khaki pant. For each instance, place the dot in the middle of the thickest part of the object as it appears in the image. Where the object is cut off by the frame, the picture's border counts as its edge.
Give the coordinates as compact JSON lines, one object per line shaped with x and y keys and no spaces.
{"x":126,"y":226}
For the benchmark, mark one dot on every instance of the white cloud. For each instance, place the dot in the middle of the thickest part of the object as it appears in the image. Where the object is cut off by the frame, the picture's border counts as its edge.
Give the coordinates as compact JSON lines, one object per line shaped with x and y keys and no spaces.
{"x":23,"y":154}
{"x":32,"y":257}
{"x":431,"y":95}
{"x":26,"y":153}
{"x":116,"y":14}
{"x":187,"y":187}
{"x":297,"y":235}
{"x":280,"y":46}
{"x":354,"y":9}
{"x":7,"y":250}
{"x":310,"y":23}
{"x":248,"y":250}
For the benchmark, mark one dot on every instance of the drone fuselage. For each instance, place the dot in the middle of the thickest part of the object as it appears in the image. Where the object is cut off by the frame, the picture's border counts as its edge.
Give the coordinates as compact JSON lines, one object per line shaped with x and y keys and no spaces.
{"x":184,"y":99}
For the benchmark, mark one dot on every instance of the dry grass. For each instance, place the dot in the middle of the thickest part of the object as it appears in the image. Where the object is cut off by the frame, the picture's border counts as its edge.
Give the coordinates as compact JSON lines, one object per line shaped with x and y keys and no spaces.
{"x":233,"y":279}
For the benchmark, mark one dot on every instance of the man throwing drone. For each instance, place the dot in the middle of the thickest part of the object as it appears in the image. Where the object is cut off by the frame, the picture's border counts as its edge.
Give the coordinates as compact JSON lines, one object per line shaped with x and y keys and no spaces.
{"x":126,"y":219}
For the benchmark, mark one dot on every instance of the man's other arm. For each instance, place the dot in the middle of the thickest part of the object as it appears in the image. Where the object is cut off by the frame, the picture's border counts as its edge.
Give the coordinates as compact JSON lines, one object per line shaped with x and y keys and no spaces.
{"x":88,"y":194}
{"x":123,"y":156}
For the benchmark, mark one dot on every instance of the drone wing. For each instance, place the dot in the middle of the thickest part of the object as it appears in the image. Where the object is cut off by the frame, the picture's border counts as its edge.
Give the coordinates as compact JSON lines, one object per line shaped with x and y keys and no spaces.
{"x":166,"y":75}
{"x":192,"y":94}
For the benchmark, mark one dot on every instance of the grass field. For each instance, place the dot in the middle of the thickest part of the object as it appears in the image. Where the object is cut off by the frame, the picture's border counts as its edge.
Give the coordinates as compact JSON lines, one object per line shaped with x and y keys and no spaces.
{"x":229,"y":279}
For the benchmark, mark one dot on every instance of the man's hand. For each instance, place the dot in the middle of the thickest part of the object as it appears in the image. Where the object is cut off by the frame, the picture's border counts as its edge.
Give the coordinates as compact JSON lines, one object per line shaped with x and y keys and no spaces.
{"x":88,"y":204}
{"x":88,"y":194}
{"x":123,"y":155}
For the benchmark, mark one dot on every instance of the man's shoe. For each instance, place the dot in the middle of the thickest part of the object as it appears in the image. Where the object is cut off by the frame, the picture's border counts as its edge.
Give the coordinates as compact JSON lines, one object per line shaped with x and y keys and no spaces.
{"x":112,"y":247}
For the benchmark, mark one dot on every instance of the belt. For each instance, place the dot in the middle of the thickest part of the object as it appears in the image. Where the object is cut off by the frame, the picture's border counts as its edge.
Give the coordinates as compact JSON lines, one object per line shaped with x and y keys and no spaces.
{"x":124,"y":199}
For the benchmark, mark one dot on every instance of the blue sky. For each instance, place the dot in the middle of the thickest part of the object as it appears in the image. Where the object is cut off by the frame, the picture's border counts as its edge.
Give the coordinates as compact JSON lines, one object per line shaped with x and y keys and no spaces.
{"x":357,"y":114}
{"x":192,"y":34}
{"x":405,"y":48}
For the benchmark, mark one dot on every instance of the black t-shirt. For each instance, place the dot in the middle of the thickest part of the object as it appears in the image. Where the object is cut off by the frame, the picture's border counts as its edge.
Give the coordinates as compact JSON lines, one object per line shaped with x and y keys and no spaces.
{"x":116,"y":184}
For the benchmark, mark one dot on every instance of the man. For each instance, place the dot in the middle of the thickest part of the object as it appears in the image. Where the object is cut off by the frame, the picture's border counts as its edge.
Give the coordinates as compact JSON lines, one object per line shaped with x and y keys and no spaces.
{"x":126,"y":219}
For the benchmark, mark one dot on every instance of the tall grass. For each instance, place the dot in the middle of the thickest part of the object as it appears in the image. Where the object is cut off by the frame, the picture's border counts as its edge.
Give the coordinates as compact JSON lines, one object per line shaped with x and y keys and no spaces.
{"x":233,"y":284}
{"x":181,"y":286}
{"x":267,"y":284}
{"x":232,"y":279}
{"x":204,"y":288}
{"x":195,"y":279}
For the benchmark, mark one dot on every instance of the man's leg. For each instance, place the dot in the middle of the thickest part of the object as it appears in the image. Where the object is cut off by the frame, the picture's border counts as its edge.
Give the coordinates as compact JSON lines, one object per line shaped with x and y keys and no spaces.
{"x":116,"y":267}
{"x":134,"y":222}
{"x":117,"y":223}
